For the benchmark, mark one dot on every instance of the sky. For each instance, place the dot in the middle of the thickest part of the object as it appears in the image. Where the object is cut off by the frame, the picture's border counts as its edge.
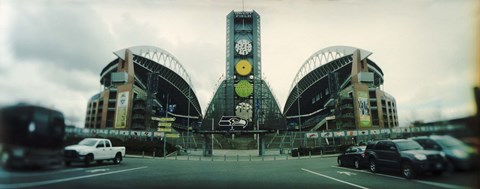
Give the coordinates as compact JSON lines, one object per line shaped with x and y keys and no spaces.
{"x":52,"y":52}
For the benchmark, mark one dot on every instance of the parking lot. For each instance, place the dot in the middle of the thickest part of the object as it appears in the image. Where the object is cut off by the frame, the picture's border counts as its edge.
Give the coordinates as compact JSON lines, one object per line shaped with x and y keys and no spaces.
{"x":137,"y":172}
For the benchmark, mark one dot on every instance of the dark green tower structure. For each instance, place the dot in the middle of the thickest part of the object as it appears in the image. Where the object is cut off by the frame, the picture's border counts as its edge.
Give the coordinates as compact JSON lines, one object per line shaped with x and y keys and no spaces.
{"x":243,"y":102}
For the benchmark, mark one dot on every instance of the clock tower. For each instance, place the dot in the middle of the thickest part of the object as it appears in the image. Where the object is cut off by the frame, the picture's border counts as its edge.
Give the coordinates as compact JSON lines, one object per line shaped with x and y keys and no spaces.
{"x":243,"y":67}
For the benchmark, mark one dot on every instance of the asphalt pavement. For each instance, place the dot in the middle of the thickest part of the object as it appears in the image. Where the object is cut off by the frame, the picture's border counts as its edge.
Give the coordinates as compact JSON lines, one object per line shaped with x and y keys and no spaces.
{"x":137,"y":172}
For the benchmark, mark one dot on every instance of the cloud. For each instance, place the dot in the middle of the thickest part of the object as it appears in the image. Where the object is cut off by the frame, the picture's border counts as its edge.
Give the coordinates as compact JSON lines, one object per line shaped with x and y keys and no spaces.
{"x":70,"y":35}
{"x":423,"y":47}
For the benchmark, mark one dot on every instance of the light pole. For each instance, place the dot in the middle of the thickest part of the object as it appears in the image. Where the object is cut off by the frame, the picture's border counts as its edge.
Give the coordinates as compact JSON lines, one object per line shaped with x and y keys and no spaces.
{"x":164,"y":133}
{"x":188,"y":121}
{"x":213,"y":120}
{"x":298,"y":109}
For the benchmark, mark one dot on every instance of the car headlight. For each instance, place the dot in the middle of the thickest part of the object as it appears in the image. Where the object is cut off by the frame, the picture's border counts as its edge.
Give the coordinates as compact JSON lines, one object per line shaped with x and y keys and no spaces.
{"x":442,"y":154}
{"x":420,"y":157}
{"x":18,"y":152}
{"x":459,"y":153}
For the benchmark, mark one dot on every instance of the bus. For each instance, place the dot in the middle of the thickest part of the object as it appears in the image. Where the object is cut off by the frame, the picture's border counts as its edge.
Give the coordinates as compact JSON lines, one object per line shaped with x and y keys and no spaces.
{"x":31,"y":136}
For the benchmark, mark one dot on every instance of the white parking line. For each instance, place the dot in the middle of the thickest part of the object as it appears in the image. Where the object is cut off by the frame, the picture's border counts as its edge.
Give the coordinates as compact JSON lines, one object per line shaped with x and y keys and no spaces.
{"x":443,"y":185}
{"x":39,"y":183}
{"x":338,"y":180}
{"x":437,"y":184}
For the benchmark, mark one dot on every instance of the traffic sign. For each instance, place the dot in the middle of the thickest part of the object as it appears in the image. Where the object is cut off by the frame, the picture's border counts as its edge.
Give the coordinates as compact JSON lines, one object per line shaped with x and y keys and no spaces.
{"x":169,"y":135}
{"x":164,"y":124}
{"x":164,"y":130}
{"x":163,"y":118}
{"x":167,"y":119}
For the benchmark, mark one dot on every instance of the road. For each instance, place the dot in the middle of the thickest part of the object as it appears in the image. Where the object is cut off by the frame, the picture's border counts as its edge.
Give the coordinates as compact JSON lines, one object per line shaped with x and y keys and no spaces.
{"x":159,"y":173}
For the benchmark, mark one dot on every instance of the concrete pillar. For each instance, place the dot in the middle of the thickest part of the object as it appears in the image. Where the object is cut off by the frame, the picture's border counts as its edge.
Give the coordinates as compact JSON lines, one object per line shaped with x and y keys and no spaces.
{"x":207,"y":146}
{"x":261,"y":147}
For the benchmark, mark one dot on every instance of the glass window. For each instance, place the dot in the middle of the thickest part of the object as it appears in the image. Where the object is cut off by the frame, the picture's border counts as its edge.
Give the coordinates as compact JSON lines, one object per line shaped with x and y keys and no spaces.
{"x":391,"y":146}
{"x":87,"y":142}
{"x":380,"y":146}
{"x":449,"y":141}
{"x":101,"y":144}
{"x":408,"y":145}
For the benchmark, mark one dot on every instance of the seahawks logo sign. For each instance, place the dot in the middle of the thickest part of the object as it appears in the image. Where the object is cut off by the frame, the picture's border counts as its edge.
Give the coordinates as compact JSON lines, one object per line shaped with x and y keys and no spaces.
{"x":232,"y":121}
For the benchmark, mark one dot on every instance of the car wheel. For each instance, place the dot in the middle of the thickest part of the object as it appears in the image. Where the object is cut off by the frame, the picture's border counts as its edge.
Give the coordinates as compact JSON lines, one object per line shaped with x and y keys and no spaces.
{"x":357,"y":164}
{"x":408,"y":171}
{"x":340,"y":163}
{"x":118,"y":158}
{"x":88,"y":159}
{"x":5,"y":159}
{"x":99,"y":161}
{"x":373,"y":166}
{"x":450,"y":167}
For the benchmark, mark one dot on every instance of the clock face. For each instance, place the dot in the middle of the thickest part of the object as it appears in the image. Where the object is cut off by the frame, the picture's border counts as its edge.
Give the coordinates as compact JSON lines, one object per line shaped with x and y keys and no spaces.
{"x":243,"y":47}
{"x":243,"y":88}
{"x":244,"y":110}
{"x":243,"y":67}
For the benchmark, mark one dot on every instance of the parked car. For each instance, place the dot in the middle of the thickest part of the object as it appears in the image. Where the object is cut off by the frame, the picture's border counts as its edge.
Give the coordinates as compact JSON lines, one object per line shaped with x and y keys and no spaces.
{"x":460,"y":156}
{"x":405,"y":155}
{"x":353,"y":156}
{"x":93,"y":149}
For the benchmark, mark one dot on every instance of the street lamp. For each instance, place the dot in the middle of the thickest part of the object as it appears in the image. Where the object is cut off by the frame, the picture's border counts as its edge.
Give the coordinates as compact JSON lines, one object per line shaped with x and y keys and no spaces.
{"x":188,"y":121}
{"x":298,"y":109}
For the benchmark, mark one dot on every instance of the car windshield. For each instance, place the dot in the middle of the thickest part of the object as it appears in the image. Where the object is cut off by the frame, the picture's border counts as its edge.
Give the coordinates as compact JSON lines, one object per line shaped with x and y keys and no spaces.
{"x":361,"y":148}
{"x":408,"y":145}
{"x":88,"y":142}
{"x":449,"y":142}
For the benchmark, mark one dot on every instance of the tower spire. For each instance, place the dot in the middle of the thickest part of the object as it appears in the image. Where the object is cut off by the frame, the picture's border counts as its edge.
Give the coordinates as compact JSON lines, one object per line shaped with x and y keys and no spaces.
{"x":243,"y":5}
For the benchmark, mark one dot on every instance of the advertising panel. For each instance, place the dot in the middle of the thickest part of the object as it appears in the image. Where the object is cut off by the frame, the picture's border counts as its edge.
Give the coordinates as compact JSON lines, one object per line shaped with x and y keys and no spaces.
{"x":121,"y":110}
{"x":352,"y":133}
{"x":374,"y":132}
{"x":311,"y":135}
{"x":339,"y":133}
{"x":326,"y":134}
{"x":364,"y":109}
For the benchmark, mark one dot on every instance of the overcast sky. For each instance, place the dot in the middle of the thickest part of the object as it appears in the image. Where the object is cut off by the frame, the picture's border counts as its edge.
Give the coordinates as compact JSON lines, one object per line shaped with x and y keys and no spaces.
{"x":52,"y":52}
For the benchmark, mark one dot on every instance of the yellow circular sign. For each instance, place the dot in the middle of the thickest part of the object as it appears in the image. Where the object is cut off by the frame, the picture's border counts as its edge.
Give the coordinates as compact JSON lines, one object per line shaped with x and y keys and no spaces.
{"x":243,"y":67}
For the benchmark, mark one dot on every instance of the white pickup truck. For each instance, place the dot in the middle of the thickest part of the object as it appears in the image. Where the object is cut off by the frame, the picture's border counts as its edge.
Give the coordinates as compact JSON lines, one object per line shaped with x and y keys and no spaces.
{"x":93,"y":149}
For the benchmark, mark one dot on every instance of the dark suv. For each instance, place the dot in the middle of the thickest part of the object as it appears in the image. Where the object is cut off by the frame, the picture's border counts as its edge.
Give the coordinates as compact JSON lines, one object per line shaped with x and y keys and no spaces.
{"x":405,"y":155}
{"x":459,"y":155}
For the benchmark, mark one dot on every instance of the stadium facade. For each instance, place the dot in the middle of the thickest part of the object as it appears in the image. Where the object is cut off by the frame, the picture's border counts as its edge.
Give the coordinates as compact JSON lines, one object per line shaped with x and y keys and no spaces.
{"x":339,"y":88}
{"x":141,"y":83}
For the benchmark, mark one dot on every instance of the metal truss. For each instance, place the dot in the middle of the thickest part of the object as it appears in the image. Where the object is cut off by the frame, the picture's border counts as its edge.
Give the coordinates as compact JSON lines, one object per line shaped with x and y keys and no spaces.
{"x":317,"y":66}
{"x":325,"y":56}
{"x":169,"y":68}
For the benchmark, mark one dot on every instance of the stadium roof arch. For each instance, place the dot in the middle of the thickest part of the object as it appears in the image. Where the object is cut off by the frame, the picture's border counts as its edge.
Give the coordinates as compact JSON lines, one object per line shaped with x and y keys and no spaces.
{"x":318,"y":66}
{"x":173,"y":78}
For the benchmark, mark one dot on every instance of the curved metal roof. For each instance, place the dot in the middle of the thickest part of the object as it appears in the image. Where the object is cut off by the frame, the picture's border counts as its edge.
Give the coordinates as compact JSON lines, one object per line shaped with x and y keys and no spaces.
{"x":160,"y":56}
{"x":324,"y":56}
{"x":155,"y":59}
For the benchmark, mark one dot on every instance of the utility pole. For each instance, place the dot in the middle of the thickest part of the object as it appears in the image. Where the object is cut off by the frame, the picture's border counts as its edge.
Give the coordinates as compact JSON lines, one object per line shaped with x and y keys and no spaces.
{"x":164,"y":133}
{"x":188,"y":121}
{"x":298,"y":109}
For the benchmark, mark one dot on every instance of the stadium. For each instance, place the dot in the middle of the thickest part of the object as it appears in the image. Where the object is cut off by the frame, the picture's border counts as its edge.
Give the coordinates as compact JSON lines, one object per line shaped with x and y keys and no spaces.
{"x":337,"y":88}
